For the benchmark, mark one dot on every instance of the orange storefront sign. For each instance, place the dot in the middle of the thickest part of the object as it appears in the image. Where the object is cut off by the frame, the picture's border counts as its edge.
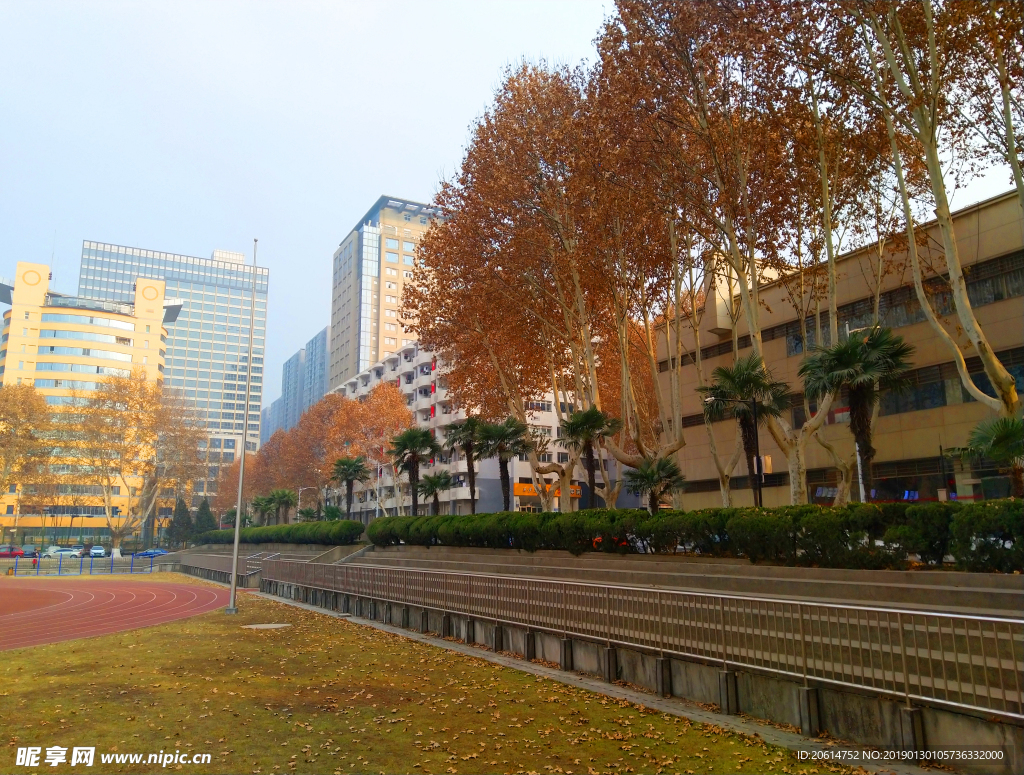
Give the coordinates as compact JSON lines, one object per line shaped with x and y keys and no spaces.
{"x":522,"y":488}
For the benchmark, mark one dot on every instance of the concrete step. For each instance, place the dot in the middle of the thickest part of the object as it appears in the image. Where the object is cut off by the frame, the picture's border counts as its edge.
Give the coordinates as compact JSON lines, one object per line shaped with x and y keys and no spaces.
{"x":980,"y":594}
{"x":684,"y":564}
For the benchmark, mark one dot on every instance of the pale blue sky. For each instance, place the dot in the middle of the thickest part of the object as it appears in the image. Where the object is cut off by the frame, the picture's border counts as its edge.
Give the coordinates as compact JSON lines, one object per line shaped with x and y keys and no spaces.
{"x":188,"y":126}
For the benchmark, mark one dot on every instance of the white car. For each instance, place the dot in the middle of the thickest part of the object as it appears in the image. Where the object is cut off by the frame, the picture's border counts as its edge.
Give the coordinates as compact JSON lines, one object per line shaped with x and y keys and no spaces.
{"x":61,"y":551}
{"x":97,"y":551}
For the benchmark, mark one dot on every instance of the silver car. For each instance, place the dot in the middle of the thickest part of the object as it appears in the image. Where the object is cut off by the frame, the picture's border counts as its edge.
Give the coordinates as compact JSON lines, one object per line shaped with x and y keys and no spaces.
{"x":62,"y":551}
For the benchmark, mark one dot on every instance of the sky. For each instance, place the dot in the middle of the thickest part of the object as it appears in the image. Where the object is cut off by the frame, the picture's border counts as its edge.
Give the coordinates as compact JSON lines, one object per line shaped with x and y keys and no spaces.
{"x":186,"y":127}
{"x":190,"y":126}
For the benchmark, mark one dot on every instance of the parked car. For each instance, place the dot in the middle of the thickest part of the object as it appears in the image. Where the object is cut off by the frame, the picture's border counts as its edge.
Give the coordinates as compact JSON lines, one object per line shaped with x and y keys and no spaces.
{"x":11,"y":551}
{"x":79,"y":548}
{"x":29,"y":549}
{"x":97,"y":551}
{"x":152,"y":552}
{"x":61,"y":551}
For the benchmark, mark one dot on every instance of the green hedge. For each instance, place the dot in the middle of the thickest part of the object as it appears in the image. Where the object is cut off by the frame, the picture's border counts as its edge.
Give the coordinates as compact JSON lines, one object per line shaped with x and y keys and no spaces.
{"x":330,"y":532}
{"x":986,"y":536}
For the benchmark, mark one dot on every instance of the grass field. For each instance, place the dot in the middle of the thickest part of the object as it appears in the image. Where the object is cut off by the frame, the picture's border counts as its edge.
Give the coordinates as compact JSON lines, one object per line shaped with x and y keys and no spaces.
{"x":329,"y":696}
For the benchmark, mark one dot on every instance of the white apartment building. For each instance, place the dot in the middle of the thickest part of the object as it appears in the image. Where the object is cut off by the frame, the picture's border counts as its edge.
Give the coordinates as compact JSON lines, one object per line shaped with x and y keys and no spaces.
{"x":418,"y":375}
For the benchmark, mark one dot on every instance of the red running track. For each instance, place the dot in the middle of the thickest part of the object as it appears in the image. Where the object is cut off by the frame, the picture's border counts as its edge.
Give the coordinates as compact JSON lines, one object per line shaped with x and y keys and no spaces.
{"x":36,"y":612}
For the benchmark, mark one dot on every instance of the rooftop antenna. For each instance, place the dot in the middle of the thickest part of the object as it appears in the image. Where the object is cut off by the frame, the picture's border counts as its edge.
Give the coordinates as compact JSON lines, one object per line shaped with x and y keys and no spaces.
{"x":53,"y":254}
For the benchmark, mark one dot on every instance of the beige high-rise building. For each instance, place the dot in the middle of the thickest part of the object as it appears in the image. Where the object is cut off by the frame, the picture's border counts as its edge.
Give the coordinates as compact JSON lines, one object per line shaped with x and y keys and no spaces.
{"x":371,"y":266}
{"x":67,"y":345}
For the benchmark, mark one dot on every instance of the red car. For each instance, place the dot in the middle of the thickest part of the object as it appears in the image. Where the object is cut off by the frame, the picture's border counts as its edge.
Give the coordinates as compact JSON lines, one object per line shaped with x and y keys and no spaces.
{"x":11,"y":551}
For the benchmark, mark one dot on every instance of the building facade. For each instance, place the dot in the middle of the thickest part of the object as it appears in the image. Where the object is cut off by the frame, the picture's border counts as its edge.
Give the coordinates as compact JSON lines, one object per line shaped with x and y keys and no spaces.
{"x":914,"y":428}
{"x":420,"y":377}
{"x":293,"y":377}
{"x":207,"y":346}
{"x":314,"y":384}
{"x":65,"y":346}
{"x":371,"y":266}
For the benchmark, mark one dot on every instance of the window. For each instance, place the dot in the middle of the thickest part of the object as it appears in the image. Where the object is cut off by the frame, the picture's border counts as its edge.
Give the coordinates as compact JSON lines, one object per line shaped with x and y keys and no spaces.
{"x":409,"y":247}
{"x":391,"y":243}
{"x":389,"y":340}
{"x":408,"y":275}
{"x":409,"y":260}
{"x":563,"y":457}
{"x":390,"y":285}
{"x":391,"y":299}
{"x":391,"y":272}
{"x":387,"y":313}
{"x":390,"y":327}
{"x":392,"y":257}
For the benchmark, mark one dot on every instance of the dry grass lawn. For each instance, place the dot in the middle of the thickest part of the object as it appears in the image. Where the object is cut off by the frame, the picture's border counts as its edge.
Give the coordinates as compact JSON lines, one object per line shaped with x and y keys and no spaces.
{"x":329,"y":696}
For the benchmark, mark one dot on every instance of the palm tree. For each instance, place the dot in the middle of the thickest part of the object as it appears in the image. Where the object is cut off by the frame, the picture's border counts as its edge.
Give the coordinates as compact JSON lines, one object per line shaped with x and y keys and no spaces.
{"x":1001,"y":440}
{"x":465,"y":435}
{"x":865,"y":364}
{"x":349,"y":470}
{"x":654,"y":478}
{"x":307,"y":514}
{"x":505,"y":440}
{"x":581,"y":431}
{"x":282,"y":499}
{"x":262,"y":506}
{"x":432,"y":485}
{"x":409,"y":449}
{"x":740,"y":388}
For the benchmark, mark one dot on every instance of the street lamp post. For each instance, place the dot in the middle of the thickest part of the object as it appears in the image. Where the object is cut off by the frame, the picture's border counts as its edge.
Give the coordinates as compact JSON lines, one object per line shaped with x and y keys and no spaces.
{"x":298,"y":498}
{"x":233,"y":599}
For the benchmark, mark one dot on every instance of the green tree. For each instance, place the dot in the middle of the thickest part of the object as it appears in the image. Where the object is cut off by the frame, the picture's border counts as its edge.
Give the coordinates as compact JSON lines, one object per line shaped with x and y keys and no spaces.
{"x":738,"y":389}
{"x":262,"y":505}
{"x":654,"y":478}
{"x":865,"y":364}
{"x":505,"y":440}
{"x":581,"y":432}
{"x":205,"y":520}
{"x":283,"y":499}
{"x":307,"y":514}
{"x":181,"y":524}
{"x":409,"y":449}
{"x":465,"y":436}
{"x":348,"y":471}
{"x":432,"y":485}
{"x":1001,"y":440}
{"x":332,"y":513}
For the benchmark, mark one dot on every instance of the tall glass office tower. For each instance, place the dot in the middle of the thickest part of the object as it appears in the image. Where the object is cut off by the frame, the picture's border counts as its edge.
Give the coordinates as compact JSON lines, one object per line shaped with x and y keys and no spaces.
{"x":207,"y":347}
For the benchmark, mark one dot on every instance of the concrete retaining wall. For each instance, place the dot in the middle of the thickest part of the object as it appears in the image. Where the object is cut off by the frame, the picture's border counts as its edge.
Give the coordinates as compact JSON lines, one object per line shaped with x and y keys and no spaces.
{"x":845,"y":713}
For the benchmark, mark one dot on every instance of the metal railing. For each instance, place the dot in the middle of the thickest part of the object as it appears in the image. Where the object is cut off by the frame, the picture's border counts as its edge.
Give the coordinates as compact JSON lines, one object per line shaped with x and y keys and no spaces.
{"x":78,"y":566}
{"x":970,"y":662}
{"x":247,"y":565}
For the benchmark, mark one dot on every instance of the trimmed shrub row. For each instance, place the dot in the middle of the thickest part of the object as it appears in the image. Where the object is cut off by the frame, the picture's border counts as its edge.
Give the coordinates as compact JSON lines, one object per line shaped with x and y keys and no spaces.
{"x":985,"y":536}
{"x":336,"y":532}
